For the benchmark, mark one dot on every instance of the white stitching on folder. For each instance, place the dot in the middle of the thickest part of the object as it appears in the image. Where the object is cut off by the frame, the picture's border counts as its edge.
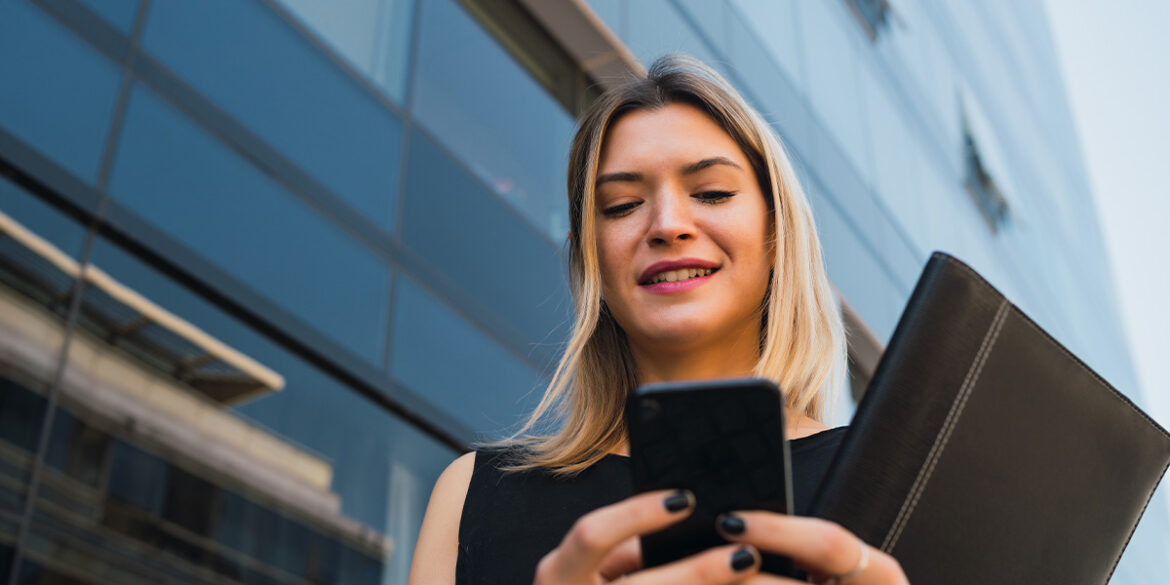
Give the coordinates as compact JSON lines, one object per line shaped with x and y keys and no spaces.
{"x":944,"y":434}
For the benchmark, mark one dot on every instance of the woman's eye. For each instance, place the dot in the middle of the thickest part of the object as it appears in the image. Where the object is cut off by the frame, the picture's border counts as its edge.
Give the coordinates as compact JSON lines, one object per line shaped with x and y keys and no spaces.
{"x":713,"y":196}
{"x":618,"y":210}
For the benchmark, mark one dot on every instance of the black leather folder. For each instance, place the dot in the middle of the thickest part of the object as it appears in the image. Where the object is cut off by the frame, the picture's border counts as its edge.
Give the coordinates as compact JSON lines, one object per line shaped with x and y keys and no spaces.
{"x":983,"y":451}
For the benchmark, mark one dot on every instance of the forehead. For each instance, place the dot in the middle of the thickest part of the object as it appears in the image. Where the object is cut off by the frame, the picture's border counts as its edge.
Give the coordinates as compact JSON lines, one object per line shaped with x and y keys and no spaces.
{"x":675,"y":133}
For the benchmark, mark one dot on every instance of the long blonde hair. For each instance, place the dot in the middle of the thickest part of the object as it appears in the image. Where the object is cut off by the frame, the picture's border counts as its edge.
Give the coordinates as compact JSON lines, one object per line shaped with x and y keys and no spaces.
{"x":802,"y":345}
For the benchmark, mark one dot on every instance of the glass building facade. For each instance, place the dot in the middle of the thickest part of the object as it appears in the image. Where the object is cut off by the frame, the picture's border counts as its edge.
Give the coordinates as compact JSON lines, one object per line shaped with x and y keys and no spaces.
{"x":268,"y":266}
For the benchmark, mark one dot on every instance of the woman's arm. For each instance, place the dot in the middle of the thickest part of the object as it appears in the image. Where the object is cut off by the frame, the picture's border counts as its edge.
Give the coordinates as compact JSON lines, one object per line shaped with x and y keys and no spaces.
{"x":438,"y":541}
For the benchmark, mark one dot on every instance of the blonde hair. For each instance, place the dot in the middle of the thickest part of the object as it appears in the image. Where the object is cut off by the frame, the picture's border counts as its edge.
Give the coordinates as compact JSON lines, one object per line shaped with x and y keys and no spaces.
{"x":802,"y":345}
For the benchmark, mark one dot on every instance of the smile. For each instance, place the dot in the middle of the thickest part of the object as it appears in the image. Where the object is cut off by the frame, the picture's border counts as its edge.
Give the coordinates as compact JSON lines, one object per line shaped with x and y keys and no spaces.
{"x":682,"y":274}
{"x":677,"y":281}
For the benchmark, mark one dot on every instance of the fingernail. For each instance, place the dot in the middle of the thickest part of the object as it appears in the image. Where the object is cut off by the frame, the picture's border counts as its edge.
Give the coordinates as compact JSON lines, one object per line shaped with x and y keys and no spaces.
{"x":679,"y":501}
{"x":729,"y":524}
{"x":743,"y":559}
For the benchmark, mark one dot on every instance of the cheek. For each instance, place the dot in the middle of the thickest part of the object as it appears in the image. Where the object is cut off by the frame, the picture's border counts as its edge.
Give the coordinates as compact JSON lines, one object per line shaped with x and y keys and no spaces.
{"x":612,"y":258}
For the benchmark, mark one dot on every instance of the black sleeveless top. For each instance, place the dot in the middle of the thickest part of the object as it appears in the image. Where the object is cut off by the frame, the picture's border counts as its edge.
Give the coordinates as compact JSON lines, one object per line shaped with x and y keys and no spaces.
{"x":512,"y":519}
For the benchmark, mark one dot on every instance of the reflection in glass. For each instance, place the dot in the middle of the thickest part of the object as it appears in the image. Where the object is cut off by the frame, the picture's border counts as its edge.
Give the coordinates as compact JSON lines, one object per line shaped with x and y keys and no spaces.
{"x":173,"y":174}
{"x":831,"y":62}
{"x":252,"y":63}
{"x":44,"y":110}
{"x":428,"y":337}
{"x":119,"y":13}
{"x":654,"y":27}
{"x":38,"y":268}
{"x":374,"y":35}
{"x":296,"y":482}
{"x":487,"y":109}
{"x":480,"y":244}
{"x":773,"y":23}
{"x":163,"y":514}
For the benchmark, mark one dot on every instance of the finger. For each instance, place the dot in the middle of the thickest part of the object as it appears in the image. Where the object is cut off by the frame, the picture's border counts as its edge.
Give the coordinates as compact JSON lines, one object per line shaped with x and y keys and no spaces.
{"x":766,"y":579}
{"x":817,"y":546}
{"x":718,"y":566}
{"x":595,"y":534}
{"x":626,"y":558}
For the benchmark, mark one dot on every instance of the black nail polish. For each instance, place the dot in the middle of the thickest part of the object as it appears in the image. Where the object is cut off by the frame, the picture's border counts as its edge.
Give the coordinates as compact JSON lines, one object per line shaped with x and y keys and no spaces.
{"x":743,"y":559}
{"x":678,"y":501}
{"x":730,"y":524}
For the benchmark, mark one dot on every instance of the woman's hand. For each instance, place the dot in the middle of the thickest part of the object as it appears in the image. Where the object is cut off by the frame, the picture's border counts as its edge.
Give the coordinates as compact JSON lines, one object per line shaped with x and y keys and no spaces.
{"x":603,"y":546}
{"x":822,"y":548}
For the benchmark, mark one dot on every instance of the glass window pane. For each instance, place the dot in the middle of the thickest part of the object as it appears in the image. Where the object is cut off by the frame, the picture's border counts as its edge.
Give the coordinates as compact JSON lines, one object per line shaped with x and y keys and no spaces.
{"x":43,"y":109}
{"x":137,"y":478}
{"x":429,"y":337}
{"x":374,"y":35}
{"x":853,"y":268}
{"x":42,"y":219}
{"x":39,"y":248}
{"x":483,"y":246}
{"x":265,"y":74}
{"x":774,"y":89}
{"x":832,"y":63}
{"x":119,"y":13}
{"x":653,"y":28}
{"x":76,"y":449}
{"x":483,"y":106}
{"x":310,"y":483}
{"x":774,"y":24}
{"x":895,"y":158}
{"x":173,"y":174}
{"x":611,"y":12}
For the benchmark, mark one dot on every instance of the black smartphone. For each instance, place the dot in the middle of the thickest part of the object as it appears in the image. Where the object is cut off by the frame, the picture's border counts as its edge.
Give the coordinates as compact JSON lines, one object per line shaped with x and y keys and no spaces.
{"x":721,"y":439}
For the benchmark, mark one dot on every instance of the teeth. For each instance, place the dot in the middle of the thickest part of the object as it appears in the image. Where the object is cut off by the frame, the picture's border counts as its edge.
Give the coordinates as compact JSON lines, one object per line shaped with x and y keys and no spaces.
{"x":682,"y":274}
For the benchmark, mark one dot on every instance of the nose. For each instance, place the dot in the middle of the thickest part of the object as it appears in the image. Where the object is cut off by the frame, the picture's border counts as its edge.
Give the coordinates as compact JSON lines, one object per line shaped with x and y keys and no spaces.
{"x":671,"y":220}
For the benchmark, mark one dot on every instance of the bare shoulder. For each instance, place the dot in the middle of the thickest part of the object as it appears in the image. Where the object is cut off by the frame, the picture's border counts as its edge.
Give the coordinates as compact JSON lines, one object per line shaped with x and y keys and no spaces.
{"x":457,"y":475}
{"x":438,"y":541}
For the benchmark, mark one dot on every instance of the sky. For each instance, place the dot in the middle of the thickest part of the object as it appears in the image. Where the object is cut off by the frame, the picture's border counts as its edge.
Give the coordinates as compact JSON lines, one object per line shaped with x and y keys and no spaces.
{"x":1115,"y":60}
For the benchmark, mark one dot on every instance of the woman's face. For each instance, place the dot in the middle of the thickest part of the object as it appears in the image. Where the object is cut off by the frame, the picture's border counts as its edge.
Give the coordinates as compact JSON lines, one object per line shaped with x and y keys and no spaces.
{"x":683,"y":231}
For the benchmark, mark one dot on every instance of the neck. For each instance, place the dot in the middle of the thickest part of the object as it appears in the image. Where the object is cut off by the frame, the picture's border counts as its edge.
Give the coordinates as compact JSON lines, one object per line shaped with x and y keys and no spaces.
{"x":726,"y":358}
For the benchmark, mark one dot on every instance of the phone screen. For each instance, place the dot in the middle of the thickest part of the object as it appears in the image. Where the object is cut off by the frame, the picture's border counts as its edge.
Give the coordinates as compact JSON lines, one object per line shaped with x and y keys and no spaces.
{"x":721,"y":439}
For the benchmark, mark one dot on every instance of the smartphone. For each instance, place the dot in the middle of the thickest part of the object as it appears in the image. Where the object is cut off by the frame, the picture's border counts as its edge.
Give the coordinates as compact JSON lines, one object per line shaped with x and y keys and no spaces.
{"x":721,"y":439}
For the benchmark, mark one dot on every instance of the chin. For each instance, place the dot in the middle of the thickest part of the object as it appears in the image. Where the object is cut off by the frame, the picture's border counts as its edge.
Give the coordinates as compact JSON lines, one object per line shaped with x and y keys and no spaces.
{"x":678,"y":332}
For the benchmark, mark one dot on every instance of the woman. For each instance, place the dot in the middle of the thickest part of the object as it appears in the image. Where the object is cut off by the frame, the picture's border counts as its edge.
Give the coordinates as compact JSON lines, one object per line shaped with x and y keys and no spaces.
{"x":693,"y":255}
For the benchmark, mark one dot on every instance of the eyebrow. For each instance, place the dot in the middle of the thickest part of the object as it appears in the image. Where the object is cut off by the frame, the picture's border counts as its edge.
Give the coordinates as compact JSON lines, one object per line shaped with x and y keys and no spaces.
{"x":686,"y":170}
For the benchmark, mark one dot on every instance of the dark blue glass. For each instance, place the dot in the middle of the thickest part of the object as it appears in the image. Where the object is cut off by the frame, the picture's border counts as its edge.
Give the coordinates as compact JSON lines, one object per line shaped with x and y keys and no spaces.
{"x":45,"y":68}
{"x":382,"y":467}
{"x":22,"y":413}
{"x":77,"y":449}
{"x":374,"y":35}
{"x":171,"y":173}
{"x":483,"y":246}
{"x":137,"y":478}
{"x":42,"y":219}
{"x":6,"y":556}
{"x":33,"y":290}
{"x":429,"y":337}
{"x":252,"y":63}
{"x":119,"y":13}
{"x":487,"y":109}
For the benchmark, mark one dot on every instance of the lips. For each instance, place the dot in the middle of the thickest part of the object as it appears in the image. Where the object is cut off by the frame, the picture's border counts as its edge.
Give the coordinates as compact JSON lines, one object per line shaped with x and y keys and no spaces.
{"x":688,"y":267}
